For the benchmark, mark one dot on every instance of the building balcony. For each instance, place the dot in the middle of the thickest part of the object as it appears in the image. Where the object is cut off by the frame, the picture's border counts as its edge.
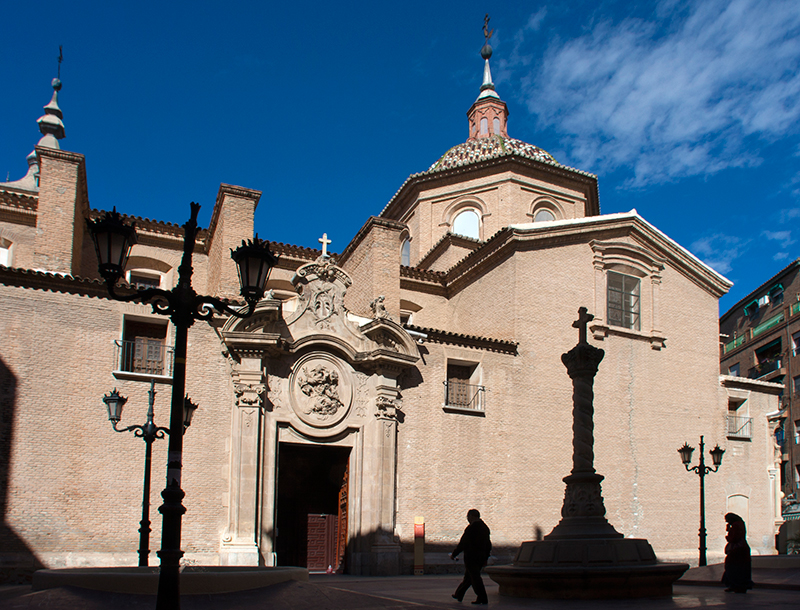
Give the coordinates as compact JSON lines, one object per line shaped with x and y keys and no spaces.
{"x":143,"y":359}
{"x":740,"y":427}
{"x":462,"y":396}
{"x":764,"y":368}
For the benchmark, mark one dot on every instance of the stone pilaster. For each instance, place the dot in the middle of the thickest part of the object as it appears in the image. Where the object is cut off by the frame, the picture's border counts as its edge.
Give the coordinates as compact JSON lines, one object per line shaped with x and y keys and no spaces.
{"x":240,"y":540}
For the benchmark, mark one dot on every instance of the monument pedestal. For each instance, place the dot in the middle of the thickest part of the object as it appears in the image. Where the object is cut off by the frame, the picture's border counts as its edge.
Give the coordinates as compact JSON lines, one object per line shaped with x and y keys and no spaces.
{"x":589,"y":568}
{"x":584,"y":557}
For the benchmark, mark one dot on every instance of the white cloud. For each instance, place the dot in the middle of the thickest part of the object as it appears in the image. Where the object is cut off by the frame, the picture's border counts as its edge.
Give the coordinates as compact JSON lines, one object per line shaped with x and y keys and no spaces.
{"x":685,"y":95}
{"x":718,"y":250}
{"x":784,"y":237}
{"x":779,"y":256}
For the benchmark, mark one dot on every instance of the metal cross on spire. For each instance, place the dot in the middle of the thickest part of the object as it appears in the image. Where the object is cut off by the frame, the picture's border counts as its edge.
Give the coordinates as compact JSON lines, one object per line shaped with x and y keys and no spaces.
{"x":324,"y":241}
{"x":584,"y":317}
{"x":60,"y":59}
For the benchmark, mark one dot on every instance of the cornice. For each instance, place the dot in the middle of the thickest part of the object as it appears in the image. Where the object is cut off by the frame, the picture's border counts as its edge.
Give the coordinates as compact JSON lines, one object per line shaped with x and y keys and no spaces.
{"x":448,"y":239}
{"x":158,"y":233}
{"x":57,"y":153}
{"x":435,"y":335}
{"x":414,"y":181}
{"x":55,"y":282}
{"x":509,"y":239}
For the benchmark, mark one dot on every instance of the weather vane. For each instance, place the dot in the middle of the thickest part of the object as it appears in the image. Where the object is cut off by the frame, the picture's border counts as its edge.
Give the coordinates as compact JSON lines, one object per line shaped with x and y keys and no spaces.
{"x":487,"y":33}
{"x":61,"y":58}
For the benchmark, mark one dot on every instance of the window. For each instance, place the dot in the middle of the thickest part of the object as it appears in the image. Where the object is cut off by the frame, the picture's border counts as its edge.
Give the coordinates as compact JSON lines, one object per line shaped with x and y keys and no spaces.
{"x":623,"y":300}
{"x":463,"y":391}
{"x":405,"y":253}
{"x":796,"y":343}
{"x":143,"y":280}
{"x":543,"y":216}
{"x":143,"y":348}
{"x":467,"y":223}
{"x":739,"y":424}
{"x":484,"y":126}
{"x":768,"y":360}
{"x":796,"y":384}
{"x":496,"y":125}
{"x":733,"y":370}
{"x":5,"y":252}
{"x":751,"y":309}
{"x":627,"y":288}
{"x":776,"y":294}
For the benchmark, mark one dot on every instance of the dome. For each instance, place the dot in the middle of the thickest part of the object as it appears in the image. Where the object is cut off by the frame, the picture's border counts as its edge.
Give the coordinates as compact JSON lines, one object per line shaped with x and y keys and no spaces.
{"x":482,"y":149}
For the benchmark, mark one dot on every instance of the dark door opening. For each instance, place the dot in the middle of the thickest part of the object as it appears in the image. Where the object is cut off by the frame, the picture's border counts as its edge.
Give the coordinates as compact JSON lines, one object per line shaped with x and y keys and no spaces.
{"x":312,"y":506}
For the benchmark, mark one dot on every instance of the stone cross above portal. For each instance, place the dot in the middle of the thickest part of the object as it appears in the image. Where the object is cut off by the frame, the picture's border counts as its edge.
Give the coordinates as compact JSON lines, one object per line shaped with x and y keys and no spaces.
{"x":324,"y":241}
{"x":584,"y":317}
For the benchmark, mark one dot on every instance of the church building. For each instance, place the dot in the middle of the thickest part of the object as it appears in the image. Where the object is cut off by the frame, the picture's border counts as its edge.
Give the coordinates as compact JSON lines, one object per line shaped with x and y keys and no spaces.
{"x":412,"y":376}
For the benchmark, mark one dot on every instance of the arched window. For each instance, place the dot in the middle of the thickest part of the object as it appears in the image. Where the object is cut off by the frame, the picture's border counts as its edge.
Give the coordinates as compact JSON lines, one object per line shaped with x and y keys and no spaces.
{"x":496,"y":125}
{"x":468,"y":224}
{"x":484,"y":126}
{"x":405,"y":253}
{"x":543,"y":215}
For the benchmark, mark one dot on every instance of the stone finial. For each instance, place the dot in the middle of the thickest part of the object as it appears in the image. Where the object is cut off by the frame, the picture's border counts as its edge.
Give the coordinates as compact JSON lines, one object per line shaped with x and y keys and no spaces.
{"x":51,"y":124}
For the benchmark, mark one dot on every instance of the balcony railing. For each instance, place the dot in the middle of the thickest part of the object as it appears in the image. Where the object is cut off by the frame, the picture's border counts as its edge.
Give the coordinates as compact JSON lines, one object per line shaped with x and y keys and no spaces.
{"x":763,"y":368}
{"x":462,"y":395}
{"x":766,"y":325}
{"x":732,"y":345}
{"x":146,"y":357}
{"x":740,"y":427}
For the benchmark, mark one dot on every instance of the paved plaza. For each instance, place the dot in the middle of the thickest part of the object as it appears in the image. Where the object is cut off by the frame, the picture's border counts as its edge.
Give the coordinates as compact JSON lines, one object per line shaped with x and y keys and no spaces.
{"x":364,"y":593}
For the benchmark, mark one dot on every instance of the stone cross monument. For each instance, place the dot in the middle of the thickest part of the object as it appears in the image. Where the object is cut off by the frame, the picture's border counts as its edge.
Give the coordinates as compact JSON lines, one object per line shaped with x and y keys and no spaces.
{"x":584,"y":557}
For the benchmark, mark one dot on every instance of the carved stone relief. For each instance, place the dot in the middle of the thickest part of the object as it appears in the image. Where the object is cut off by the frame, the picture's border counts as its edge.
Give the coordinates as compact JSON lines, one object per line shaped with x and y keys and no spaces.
{"x":321,"y":389}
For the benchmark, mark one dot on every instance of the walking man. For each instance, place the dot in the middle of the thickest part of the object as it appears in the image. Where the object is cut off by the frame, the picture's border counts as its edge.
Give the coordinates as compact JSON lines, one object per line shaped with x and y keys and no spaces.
{"x":476,"y":545}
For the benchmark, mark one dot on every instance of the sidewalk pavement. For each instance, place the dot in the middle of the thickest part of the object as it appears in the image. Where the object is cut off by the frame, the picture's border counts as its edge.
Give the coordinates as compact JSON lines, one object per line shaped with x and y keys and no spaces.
{"x":409,"y":592}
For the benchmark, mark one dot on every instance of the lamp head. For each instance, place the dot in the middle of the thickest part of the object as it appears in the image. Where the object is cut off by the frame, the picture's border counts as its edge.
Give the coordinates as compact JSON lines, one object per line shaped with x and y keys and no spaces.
{"x":686,"y":453}
{"x":716,"y":455}
{"x":114,"y":403}
{"x":188,"y":411}
{"x":254,"y":261}
{"x":113,"y":239}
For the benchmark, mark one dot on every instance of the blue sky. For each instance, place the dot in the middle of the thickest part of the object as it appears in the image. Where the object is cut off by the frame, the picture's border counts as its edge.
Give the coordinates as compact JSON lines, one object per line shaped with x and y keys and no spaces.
{"x":686,"y":110}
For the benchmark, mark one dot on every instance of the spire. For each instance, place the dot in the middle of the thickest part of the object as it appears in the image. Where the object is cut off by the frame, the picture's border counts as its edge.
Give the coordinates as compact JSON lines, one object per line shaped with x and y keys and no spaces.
{"x":488,"y":116}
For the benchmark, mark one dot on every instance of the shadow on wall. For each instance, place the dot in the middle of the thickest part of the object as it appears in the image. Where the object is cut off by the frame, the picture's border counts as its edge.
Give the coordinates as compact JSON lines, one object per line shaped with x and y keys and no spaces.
{"x":18,"y":562}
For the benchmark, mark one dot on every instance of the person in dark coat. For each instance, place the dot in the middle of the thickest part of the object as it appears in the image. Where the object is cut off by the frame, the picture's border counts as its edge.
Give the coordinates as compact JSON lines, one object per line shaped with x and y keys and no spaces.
{"x":476,"y":545}
{"x":737,"y":576}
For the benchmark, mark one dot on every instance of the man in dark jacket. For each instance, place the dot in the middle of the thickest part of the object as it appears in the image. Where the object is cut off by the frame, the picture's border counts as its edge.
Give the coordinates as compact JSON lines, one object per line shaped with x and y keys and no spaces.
{"x":477,"y":546}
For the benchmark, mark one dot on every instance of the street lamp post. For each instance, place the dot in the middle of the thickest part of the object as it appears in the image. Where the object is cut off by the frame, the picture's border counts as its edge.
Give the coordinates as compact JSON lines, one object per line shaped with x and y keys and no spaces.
{"x":702,"y":470}
{"x":113,"y":239}
{"x":148,"y":432}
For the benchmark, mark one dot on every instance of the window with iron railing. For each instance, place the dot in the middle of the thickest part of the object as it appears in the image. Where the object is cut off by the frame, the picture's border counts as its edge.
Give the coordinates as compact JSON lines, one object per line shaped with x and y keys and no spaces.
{"x":463,"y":395}
{"x":144,"y":356}
{"x":740,"y":427}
